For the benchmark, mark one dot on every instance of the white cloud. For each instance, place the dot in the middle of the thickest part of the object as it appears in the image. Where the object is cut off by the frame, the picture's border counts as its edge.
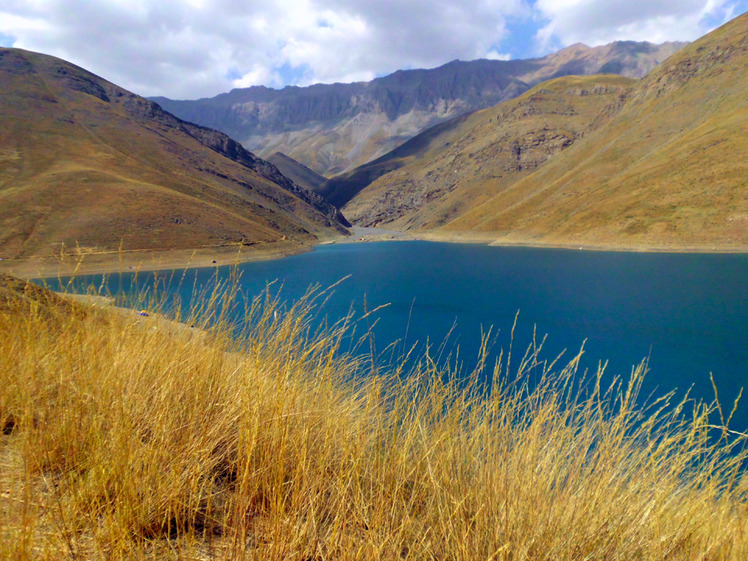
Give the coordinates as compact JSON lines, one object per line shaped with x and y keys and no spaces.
{"x":188,"y":49}
{"x":258,"y":74}
{"x":196,"y":48}
{"x":495,"y":55}
{"x":597,"y":22}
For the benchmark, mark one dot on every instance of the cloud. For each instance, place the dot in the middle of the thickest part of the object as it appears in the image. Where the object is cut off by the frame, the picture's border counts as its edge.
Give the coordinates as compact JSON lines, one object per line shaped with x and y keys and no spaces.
{"x":204,"y":47}
{"x":495,"y":55}
{"x":597,"y":22}
{"x":196,"y":48}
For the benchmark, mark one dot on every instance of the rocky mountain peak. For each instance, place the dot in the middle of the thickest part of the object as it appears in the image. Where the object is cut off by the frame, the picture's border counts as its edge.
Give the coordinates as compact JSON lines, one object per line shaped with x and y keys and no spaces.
{"x":332,"y":128}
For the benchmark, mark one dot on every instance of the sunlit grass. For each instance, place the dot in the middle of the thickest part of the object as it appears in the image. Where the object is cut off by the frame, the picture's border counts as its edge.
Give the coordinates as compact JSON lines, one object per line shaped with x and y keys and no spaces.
{"x":127,"y":437}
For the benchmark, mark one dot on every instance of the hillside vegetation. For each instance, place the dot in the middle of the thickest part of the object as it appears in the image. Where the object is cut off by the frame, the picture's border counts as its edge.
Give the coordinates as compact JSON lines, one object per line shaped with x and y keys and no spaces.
{"x":88,"y":165}
{"x":658,"y":163}
{"x":129,"y":437}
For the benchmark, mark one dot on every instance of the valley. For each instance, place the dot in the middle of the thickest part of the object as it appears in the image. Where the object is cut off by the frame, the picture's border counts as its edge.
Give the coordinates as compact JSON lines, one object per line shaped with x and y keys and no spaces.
{"x":648,"y":159}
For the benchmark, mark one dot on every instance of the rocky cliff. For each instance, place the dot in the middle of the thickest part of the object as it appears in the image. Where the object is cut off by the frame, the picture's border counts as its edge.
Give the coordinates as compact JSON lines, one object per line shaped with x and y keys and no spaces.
{"x":333,"y":128}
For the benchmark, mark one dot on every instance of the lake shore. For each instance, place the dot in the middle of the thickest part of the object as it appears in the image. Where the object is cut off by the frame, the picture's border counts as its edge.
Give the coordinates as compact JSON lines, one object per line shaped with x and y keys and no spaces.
{"x":364,"y":234}
{"x":146,"y":260}
{"x":156,"y":260}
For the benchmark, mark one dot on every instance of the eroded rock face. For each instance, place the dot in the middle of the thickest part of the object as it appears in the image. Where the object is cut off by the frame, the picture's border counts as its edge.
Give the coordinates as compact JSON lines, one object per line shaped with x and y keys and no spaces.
{"x":334,"y":128}
{"x":487,"y":152}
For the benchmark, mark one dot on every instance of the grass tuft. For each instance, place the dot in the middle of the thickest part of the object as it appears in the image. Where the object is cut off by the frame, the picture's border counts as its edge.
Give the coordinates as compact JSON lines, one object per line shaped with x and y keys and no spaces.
{"x":127,"y":437}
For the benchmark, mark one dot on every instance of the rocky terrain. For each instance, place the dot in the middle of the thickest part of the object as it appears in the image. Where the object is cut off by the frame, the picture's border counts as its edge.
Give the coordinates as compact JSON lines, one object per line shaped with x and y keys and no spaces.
{"x":453,"y":167}
{"x":658,"y":162}
{"x":297,"y":172}
{"x":334,"y":128}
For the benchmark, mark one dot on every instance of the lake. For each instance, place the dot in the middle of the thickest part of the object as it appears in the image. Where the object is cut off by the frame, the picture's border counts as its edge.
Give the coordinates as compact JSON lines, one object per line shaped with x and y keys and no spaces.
{"x":686,"y":313}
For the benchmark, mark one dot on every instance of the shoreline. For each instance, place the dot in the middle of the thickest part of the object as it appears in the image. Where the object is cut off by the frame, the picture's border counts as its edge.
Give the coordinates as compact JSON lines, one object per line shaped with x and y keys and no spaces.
{"x":368,"y":234}
{"x":168,"y":259}
{"x":504,"y":241}
{"x":145,"y":260}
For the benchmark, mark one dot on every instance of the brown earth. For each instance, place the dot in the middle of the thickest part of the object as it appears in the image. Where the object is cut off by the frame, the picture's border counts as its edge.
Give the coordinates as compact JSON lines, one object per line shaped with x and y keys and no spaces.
{"x":89,"y":168}
{"x":656,"y":164}
{"x":115,"y":261}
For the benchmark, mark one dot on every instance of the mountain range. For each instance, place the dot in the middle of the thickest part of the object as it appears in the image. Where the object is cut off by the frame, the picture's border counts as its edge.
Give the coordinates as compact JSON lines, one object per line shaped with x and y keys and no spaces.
{"x":450,"y":168}
{"x":88,"y":165}
{"x":578,"y":159}
{"x":333,"y":128}
{"x":659,"y":162}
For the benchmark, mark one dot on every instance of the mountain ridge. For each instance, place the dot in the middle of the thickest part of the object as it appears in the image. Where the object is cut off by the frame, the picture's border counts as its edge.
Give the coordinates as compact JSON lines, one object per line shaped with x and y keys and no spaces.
{"x":298,"y":173}
{"x":662,"y":166}
{"x":86,"y":163}
{"x":333,"y":128}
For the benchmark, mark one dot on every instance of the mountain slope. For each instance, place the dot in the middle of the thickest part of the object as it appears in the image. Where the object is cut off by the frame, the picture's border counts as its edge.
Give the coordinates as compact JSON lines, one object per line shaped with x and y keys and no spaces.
{"x":342,"y":188}
{"x":85,"y":163}
{"x":451,"y":167}
{"x":334,"y":128}
{"x":297,"y":172}
{"x":661,"y":164}
{"x":669,"y":170}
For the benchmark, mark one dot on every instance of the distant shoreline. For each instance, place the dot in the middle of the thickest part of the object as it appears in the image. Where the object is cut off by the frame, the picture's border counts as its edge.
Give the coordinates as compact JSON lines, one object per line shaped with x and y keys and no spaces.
{"x":145,"y":260}
{"x":363,"y":235}
{"x":507,"y":241}
{"x":167,"y":259}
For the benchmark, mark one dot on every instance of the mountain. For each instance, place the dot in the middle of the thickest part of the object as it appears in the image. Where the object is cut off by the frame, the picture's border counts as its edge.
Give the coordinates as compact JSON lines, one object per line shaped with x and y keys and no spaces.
{"x":297,"y":172}
{"x":450,"y":168}
{"x":333,"y":128}
{"x":660,"y":163}
{"x":344,"y":187}
{"x":88,"y":164}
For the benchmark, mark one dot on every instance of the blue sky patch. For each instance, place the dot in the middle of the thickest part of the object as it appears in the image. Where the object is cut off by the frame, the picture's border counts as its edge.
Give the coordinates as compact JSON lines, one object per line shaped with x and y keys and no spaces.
{"x":7,"y":40}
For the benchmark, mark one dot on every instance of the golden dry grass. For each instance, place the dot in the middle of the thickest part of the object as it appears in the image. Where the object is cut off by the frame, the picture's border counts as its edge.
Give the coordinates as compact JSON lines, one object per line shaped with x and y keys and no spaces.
{"x":130,"y":438}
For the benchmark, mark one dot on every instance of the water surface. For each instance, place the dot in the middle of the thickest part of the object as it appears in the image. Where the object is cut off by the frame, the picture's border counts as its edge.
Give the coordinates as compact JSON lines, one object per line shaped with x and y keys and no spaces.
{"x":686,"y":313}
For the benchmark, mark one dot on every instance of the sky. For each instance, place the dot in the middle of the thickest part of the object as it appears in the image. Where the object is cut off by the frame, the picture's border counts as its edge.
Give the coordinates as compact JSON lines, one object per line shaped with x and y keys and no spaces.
{"x":187,"y":49}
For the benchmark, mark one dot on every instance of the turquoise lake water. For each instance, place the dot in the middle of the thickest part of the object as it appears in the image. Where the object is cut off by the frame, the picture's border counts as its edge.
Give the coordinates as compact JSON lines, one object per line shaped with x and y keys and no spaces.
{"x":686,"y":313}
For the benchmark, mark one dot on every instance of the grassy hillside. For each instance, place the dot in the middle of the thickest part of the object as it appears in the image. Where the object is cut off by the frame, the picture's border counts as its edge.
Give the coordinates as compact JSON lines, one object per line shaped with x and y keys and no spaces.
{"x":86,"y":164}
{"x":669,"y":170}
{"x":464,"y":162}
{"x":130,"y":437}
{"x":597,"y":160}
